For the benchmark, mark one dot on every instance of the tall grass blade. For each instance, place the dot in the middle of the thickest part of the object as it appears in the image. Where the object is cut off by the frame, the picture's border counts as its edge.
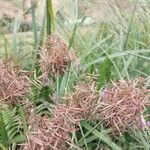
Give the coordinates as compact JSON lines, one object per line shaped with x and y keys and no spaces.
{"x":6,"y":48}
{"x":104,"y":72}
{"x":50,"y":17}
{"x":34,"y":27}
{"x":71,"y":41}
{"x":130,"y":25}
{"x":15,"y":46}
{"x":117,"y":55}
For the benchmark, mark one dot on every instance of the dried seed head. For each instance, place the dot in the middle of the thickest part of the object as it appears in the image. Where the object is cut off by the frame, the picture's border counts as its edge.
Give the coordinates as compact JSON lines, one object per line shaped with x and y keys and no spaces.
{"x":14,"y":84}
{"x":51,"y":133}
{"x":84,"y":97}
{"x":122,"y":104}
{"x":55,"y":56}
{"x":71,"y":116}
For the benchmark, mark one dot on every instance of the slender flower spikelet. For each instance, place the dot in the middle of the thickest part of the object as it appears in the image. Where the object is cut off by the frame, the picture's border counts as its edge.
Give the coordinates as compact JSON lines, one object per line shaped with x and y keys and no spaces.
{"x":55,"y":56}
{"x":84,"y":97}
{"x":14,"y":84}
{"x":123,"y":104}
{"x":51,"y":133}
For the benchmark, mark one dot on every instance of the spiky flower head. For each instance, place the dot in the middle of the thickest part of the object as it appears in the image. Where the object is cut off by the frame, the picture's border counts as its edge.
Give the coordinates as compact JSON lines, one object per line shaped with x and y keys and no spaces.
{"x":83,"y":97}
{"x":122,"y":104}
{"x":55,"y":56}
{"x":14,"y":84}
{"x":51,"y":133}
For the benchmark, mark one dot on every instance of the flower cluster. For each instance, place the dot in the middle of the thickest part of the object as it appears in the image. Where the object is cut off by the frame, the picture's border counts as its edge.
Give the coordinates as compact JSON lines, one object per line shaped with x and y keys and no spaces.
{"x":55,"y":56}
{"x":14,"y":84}
{"x":52,"y":133}
{"x":83,"y":97}
{"x":122,"y":104}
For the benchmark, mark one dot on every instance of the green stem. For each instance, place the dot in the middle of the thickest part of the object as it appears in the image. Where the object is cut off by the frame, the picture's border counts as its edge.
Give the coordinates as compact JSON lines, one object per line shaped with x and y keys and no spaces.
{"x":50,"y":17}
{"x":130,"y":25}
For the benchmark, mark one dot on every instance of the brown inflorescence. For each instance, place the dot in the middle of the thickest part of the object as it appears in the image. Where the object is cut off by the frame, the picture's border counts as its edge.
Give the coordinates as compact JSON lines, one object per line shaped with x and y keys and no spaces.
{"x":14,"y":84}
{"x":55,"y":56}
{"x":55,"y":132}
{"x":52,"y":133}
{"x":84,"y":97}
{"x":123,"y":104}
